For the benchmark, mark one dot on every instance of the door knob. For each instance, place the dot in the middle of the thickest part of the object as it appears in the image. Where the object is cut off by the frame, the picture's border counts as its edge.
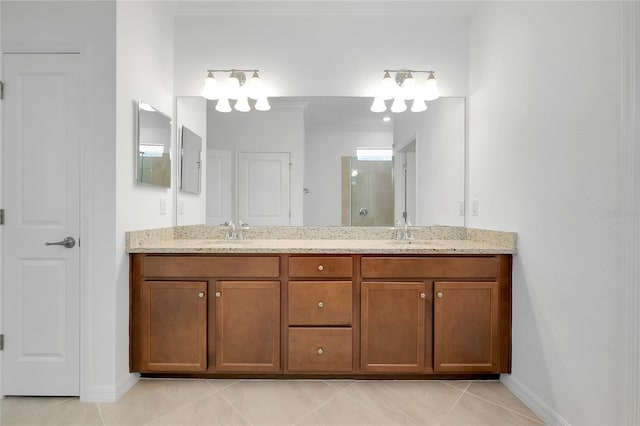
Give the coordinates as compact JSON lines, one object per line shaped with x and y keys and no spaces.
{"x":68,"y":242}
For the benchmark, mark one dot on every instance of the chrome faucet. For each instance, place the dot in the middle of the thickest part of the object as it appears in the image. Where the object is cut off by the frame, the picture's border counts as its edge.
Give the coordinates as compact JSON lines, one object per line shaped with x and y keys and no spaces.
{"x":235,"y":232}
{"x":404,"y":231}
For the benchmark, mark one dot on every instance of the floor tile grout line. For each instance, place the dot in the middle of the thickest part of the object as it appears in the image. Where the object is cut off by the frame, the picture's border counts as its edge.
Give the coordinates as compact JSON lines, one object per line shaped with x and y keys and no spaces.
{"x":37,"y":410}
{"x":462,"y":392}
{"x":213,"y":391}
{"x":502,"y":406}
{"x":233,"y":407}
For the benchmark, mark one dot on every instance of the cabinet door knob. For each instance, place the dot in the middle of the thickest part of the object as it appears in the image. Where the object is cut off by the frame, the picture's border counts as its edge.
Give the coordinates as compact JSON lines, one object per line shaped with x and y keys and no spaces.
{"x":423,"y":296}
{"x":201,"y":295}
{"x":321,"y":304}
{"x":439,"y":295}
{"x":320,"y":267}
{"x":218,"y":294}
{"x":320,"y":351}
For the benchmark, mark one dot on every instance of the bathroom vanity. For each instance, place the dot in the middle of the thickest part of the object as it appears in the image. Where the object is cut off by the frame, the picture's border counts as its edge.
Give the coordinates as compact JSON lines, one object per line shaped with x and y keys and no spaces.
{"x":310,"y":307}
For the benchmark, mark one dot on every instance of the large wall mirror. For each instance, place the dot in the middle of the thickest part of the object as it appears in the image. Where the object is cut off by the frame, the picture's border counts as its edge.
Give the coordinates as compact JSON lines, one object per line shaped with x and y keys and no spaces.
{"x":153,"y":137}
{"x":329,"y":161}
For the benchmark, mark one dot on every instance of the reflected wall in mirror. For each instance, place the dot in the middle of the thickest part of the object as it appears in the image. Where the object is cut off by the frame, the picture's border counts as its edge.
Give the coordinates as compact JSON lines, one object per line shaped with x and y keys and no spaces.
{"x":190,"y":161}
{"x":315,"y":133}
{"x":153,"y":137}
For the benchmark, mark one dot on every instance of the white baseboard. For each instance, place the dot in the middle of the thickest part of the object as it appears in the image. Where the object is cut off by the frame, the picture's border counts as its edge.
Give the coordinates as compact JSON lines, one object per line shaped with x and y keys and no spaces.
{"x":109,"y":393}
{"x":531,"y":400}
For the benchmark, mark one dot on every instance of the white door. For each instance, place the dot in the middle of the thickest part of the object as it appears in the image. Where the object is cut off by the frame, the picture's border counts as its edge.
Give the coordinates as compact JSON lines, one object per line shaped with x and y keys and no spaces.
{"x":41,"y":188}
{"x":219,"y":187}
{"x":263,"y":188}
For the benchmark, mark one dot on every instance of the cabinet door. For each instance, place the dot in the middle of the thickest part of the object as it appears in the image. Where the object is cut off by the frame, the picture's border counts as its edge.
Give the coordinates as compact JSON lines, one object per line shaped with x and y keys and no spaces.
{"x":174,"y":326}
{"x":248,"y":326}
{"x":393,"y":326}
{"x":466,"y":329}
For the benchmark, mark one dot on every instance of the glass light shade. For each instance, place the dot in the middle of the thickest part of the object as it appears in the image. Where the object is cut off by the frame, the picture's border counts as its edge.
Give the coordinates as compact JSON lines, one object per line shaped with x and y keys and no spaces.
{"x":210,"y":90}
{"x":242,"y":104}
{"x":378,"y":105}
{"x":409,"y":87}
{"x":418,"y":105}
{"x":398,"y":105}
{"x":255,"y":87}
{"x":223,"y":105}
{"x":388,"y":87}
{"x":233,"y":86}
{"x":431,"y":92}
{"x":262,"y":104}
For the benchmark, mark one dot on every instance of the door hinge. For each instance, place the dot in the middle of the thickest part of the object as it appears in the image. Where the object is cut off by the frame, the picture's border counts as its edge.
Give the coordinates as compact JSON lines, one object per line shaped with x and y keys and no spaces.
{"x":1,"y":342}
{"x":1,"y":216}
{"x":1,"y":90}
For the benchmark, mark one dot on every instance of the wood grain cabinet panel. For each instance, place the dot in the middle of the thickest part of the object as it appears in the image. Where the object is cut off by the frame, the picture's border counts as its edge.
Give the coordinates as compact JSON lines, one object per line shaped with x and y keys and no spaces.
{"x":212,"y":266}
{"x":393,"y":326}
{"x":466,"y":332}
{"x":248,"y":326}
{"x":320,"y":302}
{"x":320,"y":266}
{"x":415,"y":267}
{"x":174,"y":326}
{"x":320,"y":349}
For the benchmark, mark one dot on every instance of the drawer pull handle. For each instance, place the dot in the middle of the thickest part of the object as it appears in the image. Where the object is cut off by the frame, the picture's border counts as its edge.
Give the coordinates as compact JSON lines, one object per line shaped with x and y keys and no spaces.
{"x":439,"y":295}
{"x":218,"y":294}
{"x":321,"y":304}
{"x":201,"y":295}
{"x":423,"y":296}
{"x":320,"y":351}
{"x":320,"y":267}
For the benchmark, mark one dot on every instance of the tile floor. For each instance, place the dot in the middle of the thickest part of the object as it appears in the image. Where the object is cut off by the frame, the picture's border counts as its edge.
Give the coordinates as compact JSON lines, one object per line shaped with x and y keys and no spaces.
{"x":282,"y":402}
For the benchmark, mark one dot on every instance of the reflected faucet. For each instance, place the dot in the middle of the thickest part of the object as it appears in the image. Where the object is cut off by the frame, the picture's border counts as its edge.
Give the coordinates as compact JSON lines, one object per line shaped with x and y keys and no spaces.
{"x":233,"y":232}
{"x":404,"y":232}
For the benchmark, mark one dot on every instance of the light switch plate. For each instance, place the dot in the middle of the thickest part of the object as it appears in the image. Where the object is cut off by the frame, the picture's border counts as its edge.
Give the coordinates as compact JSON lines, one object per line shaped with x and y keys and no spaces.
{"x":475,"y":207}
{"x":461,"y":208}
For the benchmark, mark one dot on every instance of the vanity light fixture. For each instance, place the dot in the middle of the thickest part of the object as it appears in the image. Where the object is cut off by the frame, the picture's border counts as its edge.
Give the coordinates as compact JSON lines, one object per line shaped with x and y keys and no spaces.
{"x":404,"y":87}
{"x":237,"y":88}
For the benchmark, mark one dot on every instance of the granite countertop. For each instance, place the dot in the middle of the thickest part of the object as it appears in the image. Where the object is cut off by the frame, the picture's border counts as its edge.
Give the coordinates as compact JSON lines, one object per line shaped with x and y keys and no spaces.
{"x":319,"y":240}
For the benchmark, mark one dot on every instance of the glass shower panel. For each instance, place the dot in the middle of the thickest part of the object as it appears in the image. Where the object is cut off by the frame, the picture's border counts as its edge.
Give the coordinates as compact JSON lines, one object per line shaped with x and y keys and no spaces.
{"x":371,"y":199}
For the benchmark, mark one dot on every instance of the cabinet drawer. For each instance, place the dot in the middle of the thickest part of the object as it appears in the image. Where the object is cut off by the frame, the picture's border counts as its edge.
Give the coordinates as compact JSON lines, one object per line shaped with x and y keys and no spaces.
{"x":209,"y":266}
{"x":320,"y":302}
{"x":320,"y":349}
{"x":430,"y":267}
{"x":320,"y":267}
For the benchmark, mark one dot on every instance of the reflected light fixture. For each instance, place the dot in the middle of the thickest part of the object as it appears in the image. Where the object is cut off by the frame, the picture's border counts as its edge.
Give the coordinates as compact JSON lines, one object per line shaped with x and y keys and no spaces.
{"x":237,"y":88}
{"x":405,"y":87}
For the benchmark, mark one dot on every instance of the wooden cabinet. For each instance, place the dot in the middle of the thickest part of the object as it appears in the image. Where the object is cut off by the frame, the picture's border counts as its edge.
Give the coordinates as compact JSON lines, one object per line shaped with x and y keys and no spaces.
{"x":466,"y":332}
{"x":296,"y":315}
{"x":248,"y":326}
{"x":174,"y":326}
{"x":393,"y":327}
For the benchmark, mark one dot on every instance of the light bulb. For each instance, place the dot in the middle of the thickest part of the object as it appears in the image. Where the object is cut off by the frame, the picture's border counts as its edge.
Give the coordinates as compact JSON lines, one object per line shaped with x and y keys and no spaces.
{"x":210,"y":90}
{"x":255,"y":89}
{"x":409,"y":87}
{"x":388,"y":87}
{"x":398,"y":105}
{"x":223,"y":105}
{"x":262,"y":104}
{"x":418,"y":105}
{"x":233,"y":85}
{"x":431,"y":92}
{"x":242,"y":104}
{"x":378,"y":105}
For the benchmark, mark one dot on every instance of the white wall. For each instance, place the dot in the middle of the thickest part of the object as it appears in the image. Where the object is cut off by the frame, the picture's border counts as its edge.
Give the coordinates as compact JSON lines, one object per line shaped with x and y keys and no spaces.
{"x":281,"y":130}
{"x":88,"y":28}
{"x":439,"y":134}
{"x":145,"y":34}
{"x":191,"y":112}
{"x":319,"y":53}
{"x":323,"y":170}
{"x":544,"y":136}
